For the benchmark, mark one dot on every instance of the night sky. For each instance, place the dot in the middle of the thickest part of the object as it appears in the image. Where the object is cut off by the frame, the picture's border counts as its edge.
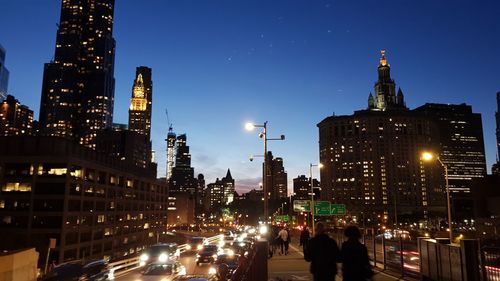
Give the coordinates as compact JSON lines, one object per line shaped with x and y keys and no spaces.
{"x":218,"y":64}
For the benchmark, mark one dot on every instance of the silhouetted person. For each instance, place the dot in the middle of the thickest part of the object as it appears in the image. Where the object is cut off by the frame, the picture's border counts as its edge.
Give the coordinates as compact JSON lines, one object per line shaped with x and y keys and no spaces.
{"x":283,"y":236}
{"x":354,"y":255}
{"x":304,"y":238}
{"x":323,"y":253}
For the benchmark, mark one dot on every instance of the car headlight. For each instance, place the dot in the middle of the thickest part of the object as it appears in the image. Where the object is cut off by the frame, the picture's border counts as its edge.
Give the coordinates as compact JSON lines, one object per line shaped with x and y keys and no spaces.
{"x":221,"y":243}
{"x":188,"y":247}
{"x":199,"y":247}
{"x":182,"y":271}
{"x":144,"y":257}
{"x":163,"y":257}
{"x":212,"y":270}
{"x":230,"y":252}
{"x":214,"y":256}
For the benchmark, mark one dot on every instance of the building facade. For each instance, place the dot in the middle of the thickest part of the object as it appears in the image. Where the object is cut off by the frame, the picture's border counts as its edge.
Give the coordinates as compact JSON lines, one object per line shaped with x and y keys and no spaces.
{"x":78,"y":85}
{"x":15,"y":118}
{"x":182,"y":178}
{"x":302,"y":188}
{"x":371,"y":159}
{"x":4,"y":75}
{"x":139,"y":114}
{"x":95,"y":206}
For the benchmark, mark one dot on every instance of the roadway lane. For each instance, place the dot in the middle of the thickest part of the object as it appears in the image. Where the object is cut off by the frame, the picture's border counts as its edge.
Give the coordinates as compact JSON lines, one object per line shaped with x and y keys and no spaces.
{"x":188,"y":260}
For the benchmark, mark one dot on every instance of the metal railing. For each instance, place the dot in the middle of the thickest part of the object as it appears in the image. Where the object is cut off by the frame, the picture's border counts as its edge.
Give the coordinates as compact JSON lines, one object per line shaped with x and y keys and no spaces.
{"x":122,"y":267}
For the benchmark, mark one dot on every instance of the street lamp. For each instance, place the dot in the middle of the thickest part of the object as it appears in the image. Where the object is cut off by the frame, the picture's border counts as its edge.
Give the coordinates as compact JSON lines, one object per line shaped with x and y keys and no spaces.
{"x":263,"y":135}
{"x":428,"y":156}
{"x":311,"y":206}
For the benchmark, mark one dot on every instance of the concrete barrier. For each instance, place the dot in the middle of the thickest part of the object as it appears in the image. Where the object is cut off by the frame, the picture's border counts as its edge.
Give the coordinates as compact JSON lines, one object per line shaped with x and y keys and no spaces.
{"x":19,"y":265}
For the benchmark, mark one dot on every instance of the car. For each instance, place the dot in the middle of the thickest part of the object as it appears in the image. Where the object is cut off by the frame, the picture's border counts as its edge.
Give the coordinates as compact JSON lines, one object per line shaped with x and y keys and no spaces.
{"x":230,"y":259}
{"x":168,"y":271}
{"x":195,"y":278}
{"x":159,"y":253}
{"x":195,"y":243}
{"x":76,"y":270}
{"x":208,"y":254}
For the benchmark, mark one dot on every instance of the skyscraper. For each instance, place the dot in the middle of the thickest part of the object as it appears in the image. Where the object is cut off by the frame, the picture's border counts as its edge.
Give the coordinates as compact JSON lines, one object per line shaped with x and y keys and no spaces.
{"x":78,"y":85}
{"x":496,"y":167}
{"x":228,"y":183}
{"x":461,"y":144}
{"x":4,"y":75}
{"x":276,"y":180}
{"x":182,"y":174}
{"x":139,"y":114}
{"x":302,"y":188}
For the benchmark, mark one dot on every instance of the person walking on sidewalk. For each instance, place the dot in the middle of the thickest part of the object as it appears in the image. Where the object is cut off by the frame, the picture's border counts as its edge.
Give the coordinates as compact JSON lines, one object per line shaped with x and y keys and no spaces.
{"x":288,"y":240}
{"x":323,"y":253}
{"x":354,"y":256}
{"x":283,"y":236}
{"x":304,"y":238}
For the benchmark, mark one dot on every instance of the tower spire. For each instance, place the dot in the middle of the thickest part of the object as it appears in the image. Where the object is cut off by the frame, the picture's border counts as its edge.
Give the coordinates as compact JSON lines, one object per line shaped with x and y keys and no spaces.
{"x":383,"y":60}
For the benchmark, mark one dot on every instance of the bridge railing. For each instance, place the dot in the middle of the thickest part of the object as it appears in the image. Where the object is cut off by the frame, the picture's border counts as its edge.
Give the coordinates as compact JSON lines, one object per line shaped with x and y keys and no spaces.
{"x":122,"y":267}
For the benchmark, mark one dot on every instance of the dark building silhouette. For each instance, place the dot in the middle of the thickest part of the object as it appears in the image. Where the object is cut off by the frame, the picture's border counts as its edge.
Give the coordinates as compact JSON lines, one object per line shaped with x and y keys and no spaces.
{"x":276,"y":179}
{"x":461,"y":144}
{"x":78,"y":84}
{"x":139,"y":118}
{"x":94,"y":205}
{"x":496,"y":167}
{"x":182,"y":173}
{"x":302,"y":188}
{"x":372,"y":158}
{"x":4,"y":75}
{"x":15,"y":118}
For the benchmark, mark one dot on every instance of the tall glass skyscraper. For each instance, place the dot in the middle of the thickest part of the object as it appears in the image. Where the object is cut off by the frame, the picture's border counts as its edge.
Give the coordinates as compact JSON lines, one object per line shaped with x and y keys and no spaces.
{"x":4,"y":75}
{"x":78,"y":85}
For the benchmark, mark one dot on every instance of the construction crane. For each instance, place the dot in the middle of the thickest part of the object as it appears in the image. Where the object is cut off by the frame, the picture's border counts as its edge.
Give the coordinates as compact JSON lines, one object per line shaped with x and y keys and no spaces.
{"x":171,"y":137}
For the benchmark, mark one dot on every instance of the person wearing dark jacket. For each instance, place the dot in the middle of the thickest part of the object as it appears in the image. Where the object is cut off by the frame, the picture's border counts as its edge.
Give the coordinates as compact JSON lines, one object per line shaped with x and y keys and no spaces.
{"x":354,"y":256}
{"x":323,"y":253}
{"x":304,"y":238}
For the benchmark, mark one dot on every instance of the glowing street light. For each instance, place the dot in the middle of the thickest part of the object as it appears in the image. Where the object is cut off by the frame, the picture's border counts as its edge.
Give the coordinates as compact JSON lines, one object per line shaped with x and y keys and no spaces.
{"x":263,"y":135}
{"x":429,"y":156}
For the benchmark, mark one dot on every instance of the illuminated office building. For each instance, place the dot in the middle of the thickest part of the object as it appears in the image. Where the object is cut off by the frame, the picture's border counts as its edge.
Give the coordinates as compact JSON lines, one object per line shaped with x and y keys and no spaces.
{"x":371,"y":159}
{"x":302,"y":188}
{"x":78,"y":84}
{"x":4,"y":75}
{"x":15,"y":118}
{"x":461,"y":142}
{"x":94,"y":205}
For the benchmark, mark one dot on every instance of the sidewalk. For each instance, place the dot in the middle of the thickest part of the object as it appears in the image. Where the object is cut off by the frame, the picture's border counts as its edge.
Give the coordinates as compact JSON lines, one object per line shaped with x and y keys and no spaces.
{"x":293,"y":267}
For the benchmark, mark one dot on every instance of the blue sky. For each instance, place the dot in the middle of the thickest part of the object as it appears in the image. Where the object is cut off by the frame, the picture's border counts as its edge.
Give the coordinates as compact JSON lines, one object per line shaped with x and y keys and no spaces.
{"x":219,"y":63}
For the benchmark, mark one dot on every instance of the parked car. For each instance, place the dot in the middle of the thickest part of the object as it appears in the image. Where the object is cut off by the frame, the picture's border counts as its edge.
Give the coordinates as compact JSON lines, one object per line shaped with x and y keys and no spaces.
{"x":159,"y":253}
{"x":195,"y":278}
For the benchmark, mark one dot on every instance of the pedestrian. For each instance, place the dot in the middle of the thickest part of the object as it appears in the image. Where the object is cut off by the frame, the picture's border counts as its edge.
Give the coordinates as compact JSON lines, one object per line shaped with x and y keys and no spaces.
{"x":282,"y":236}
{"x":354,"y":256}
{"x":288,"y":240}
{"x":304,"y":238}
{"x":323,"y":253}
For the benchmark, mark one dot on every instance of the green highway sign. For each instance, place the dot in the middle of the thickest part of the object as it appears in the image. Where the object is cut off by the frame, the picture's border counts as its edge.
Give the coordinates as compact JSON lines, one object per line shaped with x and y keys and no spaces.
{"x":322,"y":208}
{"x":284,"y":218}
{"x":301,"y":205}
{"x":338,"y":209}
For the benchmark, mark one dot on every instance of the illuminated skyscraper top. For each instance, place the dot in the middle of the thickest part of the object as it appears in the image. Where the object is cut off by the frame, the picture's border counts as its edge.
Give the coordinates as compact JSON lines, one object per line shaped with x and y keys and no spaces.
{"x":385,"y":89}
{"x":78,"y":85}
{"x":4,"y":75}
{"x":139,"y":118}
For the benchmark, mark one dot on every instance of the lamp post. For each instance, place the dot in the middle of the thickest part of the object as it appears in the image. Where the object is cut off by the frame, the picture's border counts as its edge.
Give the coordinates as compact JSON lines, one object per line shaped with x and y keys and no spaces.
{"x":311,"y":206}
{"x":263,"y":135}
{"x":427,"y":156}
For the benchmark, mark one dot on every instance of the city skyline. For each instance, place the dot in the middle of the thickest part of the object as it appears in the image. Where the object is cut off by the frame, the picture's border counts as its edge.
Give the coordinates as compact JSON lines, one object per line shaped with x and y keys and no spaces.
{"x":318,"y":54}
